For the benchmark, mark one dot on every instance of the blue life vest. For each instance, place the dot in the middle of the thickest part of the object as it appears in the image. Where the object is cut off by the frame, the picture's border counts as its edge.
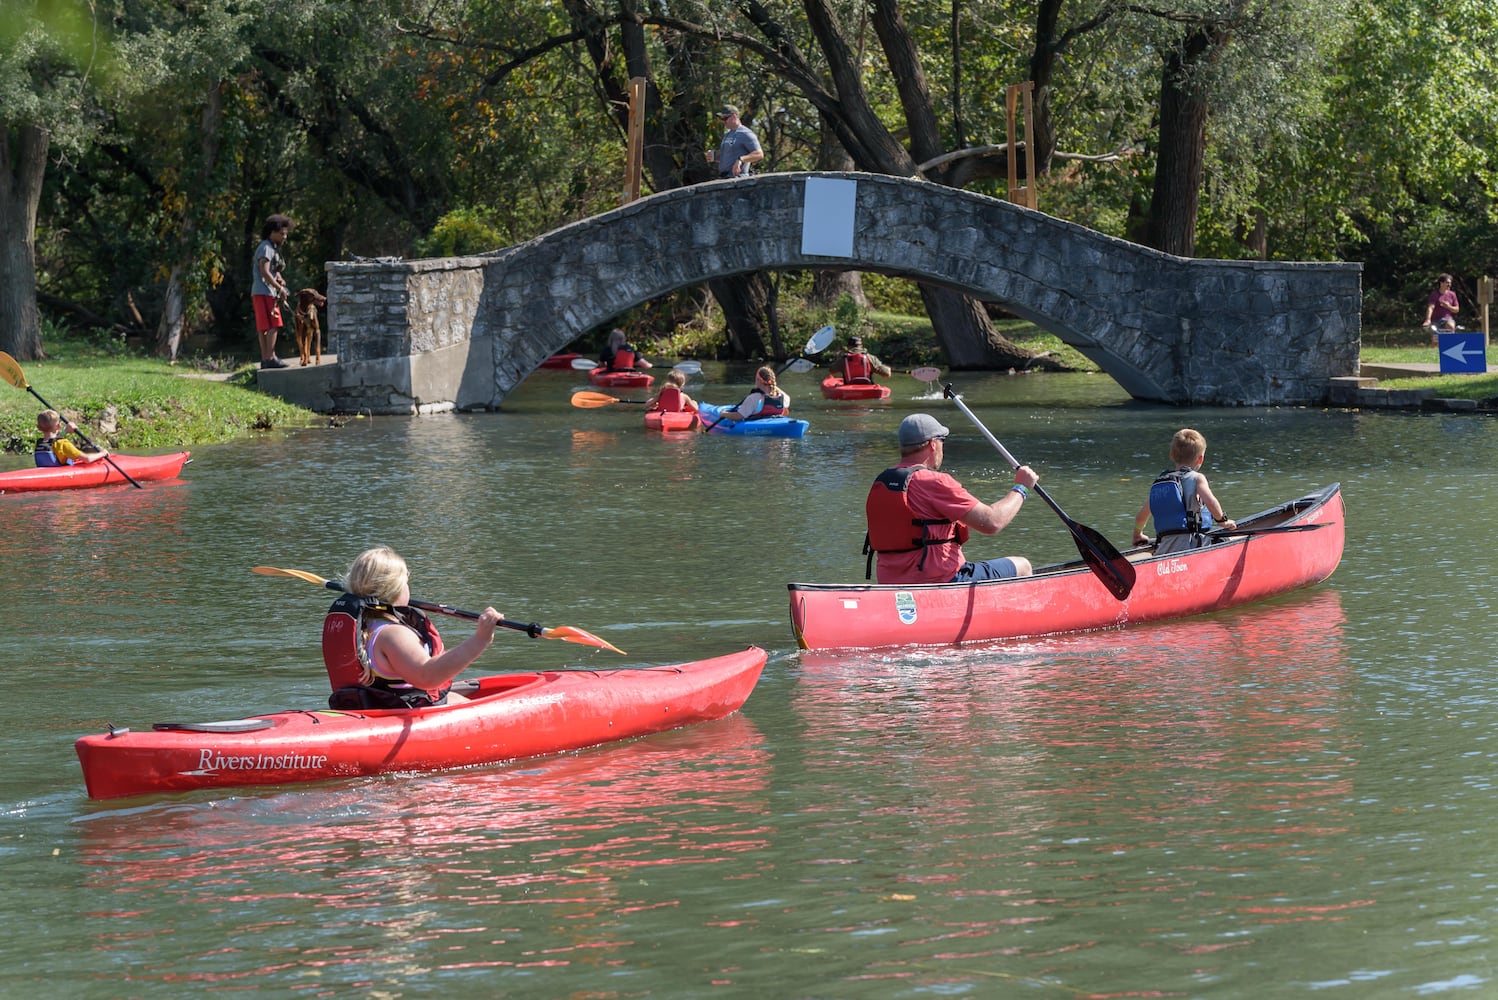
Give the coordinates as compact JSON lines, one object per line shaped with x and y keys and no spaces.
{"x":45,"y":457}
{"x":1175,"y":506}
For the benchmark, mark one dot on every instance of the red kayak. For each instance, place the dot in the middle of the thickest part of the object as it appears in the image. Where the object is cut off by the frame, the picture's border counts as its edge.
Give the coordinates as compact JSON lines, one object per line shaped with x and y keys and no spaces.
{"x":622,"y":379}
{"x":142,"y":468}
{"x":1294,"y":545}
{"x":833,"y":387}
{"x":561,"y":360}
{"x":675,"y":420}
{"x":507,"y":716}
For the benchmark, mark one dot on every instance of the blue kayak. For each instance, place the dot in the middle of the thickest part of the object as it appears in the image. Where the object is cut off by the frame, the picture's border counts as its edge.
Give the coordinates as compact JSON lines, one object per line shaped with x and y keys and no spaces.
{"x":785,"y":427}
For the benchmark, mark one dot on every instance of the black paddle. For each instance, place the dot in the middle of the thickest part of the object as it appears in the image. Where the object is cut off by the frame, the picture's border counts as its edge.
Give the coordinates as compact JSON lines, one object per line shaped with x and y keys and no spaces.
{"x":16,"y":377}
{"x":1109,"y":565}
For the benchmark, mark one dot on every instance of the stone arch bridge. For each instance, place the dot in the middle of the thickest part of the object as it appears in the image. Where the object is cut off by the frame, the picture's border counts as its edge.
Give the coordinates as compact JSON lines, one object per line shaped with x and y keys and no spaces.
{"x":426,"y":335}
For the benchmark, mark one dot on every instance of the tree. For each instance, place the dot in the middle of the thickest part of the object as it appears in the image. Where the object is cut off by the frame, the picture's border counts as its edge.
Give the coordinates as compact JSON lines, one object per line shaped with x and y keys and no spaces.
{"x":45,"y":97}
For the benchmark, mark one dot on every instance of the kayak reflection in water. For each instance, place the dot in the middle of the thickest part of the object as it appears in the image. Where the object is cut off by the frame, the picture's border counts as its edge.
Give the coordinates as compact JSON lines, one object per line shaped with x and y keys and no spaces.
{"x":388,"y":654}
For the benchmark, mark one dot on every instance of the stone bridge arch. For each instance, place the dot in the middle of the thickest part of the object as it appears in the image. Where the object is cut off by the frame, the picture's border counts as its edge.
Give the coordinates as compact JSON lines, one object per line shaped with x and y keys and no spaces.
{"x":463,"y":332}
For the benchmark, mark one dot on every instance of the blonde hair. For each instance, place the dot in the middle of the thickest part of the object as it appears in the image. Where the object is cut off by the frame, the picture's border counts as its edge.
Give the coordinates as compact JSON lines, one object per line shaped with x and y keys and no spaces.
{"x":676,"y":378}
{"x":48,"y":421}
{"x":1187,"y":446}
{"x":768,"y":375}
{"x":379,"y":573}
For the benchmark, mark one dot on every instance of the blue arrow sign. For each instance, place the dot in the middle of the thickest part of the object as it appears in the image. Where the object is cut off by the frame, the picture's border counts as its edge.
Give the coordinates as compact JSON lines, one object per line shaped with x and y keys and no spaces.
{"x":1462,"y":353}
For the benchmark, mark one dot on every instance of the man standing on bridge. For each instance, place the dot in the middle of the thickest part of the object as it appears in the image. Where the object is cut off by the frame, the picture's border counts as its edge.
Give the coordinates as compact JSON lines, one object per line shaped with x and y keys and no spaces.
{"x":739,"y":148}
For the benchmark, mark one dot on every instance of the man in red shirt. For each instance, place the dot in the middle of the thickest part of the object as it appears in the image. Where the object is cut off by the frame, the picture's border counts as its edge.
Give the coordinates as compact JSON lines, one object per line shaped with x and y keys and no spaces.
{"x":919,"y":517}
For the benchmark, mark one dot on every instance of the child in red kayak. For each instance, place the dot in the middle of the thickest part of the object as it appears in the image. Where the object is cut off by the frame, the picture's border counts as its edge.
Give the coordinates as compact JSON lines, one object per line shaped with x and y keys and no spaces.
{"x":672,"y":398}
{"x":53,"y":450}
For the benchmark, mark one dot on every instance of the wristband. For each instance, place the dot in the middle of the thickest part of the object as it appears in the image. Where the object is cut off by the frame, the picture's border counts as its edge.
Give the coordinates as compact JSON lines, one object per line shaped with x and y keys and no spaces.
{"x":1024,"y":494}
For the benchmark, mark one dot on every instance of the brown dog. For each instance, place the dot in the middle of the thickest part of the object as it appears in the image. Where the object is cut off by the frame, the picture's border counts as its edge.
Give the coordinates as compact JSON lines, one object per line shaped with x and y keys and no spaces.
{"x":308,"y":330}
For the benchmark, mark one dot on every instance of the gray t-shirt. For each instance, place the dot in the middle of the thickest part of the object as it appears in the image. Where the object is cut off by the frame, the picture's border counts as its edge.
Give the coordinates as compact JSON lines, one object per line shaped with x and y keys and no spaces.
{"x":265,"y":251}
{"x":736,"y":142}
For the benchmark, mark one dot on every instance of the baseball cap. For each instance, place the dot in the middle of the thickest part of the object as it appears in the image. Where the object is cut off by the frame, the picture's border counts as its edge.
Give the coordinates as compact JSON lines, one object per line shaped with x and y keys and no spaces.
{"x":918,"y":428}
{"x":726,"y":110}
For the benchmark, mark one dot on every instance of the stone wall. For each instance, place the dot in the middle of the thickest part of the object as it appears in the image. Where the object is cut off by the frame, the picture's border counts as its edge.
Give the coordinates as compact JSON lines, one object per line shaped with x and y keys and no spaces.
{"x":463,"y":332}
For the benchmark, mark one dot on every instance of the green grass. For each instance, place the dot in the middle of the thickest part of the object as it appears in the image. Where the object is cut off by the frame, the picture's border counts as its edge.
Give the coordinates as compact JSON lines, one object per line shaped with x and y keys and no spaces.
{"x":157,"y":406}
{"x":1406,"y":346}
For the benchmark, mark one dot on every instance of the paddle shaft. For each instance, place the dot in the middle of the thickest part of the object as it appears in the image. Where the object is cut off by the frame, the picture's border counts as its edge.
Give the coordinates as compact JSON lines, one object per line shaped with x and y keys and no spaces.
{"x":532,"y":629}
{"x":1112,"y":569}
{"x":84,"y":438}
{"x":1013,"y":462}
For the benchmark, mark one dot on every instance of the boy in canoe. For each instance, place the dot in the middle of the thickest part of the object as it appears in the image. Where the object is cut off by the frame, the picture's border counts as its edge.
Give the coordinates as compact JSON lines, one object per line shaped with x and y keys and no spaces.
{"x":1182,"y":504}
{"x":919,"y":517}
{"x":53,"y":449}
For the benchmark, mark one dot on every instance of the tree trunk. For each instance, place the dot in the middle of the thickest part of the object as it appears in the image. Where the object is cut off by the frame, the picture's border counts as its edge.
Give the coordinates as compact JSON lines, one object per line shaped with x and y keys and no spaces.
{"x":1171,"y":224}
{"x":743,"y":299}
{"x":174,"y":307}
{"x":23,"y":164}
{"x":953,"y":317}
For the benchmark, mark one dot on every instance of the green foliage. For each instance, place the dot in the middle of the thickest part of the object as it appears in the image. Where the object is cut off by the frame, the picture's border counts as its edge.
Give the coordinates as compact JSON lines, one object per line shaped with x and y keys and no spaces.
{"x":462,"y":232}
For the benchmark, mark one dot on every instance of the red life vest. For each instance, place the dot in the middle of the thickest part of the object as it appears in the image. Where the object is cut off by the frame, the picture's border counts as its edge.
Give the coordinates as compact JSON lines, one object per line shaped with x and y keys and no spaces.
{"x":671,"y":400}
{"x":893,"y":526}
{"x":773,"y":406}
{"x":342,"y":632}
{"x":858,"y":368}
{"x":623,"y":360}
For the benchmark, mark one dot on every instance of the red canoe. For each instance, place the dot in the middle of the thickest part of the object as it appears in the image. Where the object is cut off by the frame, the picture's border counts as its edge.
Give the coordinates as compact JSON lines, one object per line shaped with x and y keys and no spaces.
{"x":1294,"y":545}
{"x":561,"y":360}
{"x":508,"y":716}
{"x":625,"y":379}
{"x":833,"y":387}
{"x":142,"y":468}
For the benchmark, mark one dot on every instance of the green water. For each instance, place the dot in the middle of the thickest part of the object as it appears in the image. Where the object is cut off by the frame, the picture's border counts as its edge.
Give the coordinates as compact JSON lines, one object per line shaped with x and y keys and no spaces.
{"x":1286,"y":800}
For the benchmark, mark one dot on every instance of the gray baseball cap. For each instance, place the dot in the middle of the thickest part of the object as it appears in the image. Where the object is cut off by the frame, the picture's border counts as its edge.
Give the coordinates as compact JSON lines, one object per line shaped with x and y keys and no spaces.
{"x":918,"y":428}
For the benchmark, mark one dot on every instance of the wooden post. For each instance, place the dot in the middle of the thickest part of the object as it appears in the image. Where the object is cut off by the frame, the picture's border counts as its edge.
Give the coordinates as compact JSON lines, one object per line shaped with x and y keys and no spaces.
{"x":1026,"y":195}
{"x":635,"y":156}
{"x":1484,"y":299}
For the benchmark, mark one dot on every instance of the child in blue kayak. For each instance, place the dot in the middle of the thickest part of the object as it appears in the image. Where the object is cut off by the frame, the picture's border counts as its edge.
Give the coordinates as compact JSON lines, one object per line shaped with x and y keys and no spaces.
{"x":53,"y":449}
{"x":1182,"y":504}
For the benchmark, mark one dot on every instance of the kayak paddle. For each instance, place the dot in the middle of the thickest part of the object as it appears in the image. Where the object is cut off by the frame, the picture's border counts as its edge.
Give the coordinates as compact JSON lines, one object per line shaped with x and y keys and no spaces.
{"x":566,"y":633}
{"x":1109,"y":565}
{"x":593,"y":400}
{"x":923,"y":374}
{"x":816,"y":344}
{"x":685,"y":367}
{"x":17,"y":378}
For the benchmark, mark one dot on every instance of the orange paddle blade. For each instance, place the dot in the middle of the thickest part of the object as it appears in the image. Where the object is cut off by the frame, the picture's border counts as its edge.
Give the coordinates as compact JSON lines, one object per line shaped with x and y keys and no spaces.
{"x":570,"y":633}
{"x":592,"y":400}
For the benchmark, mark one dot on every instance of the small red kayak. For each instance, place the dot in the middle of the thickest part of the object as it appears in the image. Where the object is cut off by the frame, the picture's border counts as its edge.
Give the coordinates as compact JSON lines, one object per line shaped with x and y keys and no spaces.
{"x":833,"y":387}
{"x":142,"y":468}
{"x":676,"y":420}
{"x":561,"y":360}
{"x":620,"y":379}
{"x":505,"y":717}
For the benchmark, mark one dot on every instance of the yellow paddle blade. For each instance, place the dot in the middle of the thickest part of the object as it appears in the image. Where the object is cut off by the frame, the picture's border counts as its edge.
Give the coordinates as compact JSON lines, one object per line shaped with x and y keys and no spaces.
{"x":12,"y":372}
{"x":295,"y":573}
{"x":570,"y":633}
{"x":592,"y":400}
